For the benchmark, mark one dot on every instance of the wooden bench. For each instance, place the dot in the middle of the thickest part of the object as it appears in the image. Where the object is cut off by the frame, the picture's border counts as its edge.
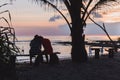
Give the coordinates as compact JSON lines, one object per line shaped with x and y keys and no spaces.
{"x":13,"y":57}
{"x":111,"y":52}
{"x":97,"y":50}
{"x":29,"y":54}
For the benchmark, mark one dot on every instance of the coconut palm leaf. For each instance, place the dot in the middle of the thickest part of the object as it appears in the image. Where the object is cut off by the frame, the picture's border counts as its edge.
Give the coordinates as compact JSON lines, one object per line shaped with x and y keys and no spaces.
{"x":5,"y":20}
{"x":8,"y":14}
{"x":3,"y":4}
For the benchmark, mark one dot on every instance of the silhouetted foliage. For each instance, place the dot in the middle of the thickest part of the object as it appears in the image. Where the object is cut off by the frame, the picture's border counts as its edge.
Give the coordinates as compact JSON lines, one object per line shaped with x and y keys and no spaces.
{"x":7,"y":49}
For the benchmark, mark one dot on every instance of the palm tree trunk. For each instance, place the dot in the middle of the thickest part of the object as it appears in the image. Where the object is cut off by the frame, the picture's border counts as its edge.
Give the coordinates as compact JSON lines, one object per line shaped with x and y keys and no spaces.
{"x":78,"y":52}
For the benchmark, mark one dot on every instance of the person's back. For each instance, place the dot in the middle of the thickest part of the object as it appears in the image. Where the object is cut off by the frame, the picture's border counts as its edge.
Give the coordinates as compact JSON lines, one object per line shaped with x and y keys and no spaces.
{"x":35,"y":47}
{"x":47,"y":46}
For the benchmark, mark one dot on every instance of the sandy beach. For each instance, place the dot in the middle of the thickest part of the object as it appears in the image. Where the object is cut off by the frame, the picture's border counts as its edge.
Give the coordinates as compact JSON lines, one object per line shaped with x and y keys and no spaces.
{"x":95,"y":69}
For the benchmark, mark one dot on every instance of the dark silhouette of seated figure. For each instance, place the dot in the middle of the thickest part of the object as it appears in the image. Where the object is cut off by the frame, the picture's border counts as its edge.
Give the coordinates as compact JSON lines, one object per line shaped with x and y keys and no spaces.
{"x":48,"y":50}
{"x":35,"y":48}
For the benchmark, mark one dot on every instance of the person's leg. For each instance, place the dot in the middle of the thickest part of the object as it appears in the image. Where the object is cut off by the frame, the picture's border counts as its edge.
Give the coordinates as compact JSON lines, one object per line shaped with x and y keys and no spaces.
{"x":30,"y":59}
{"x":46,"y":55}
{"x":39,"y":59}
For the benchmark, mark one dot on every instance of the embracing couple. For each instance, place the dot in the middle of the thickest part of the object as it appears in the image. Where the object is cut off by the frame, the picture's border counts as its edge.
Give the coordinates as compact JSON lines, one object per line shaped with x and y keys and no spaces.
{"x":36,"y":49}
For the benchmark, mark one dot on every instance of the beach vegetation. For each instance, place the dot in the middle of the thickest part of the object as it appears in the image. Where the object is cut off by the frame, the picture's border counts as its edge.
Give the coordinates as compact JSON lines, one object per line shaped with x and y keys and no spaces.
{"x":8,"y":49}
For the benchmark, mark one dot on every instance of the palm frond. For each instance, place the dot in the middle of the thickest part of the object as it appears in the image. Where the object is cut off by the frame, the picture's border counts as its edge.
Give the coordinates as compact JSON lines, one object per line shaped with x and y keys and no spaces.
{"x":8,"y":15}
{"x":103,"y":2}
{"x":5,"y":20}
{"x":3,"y":4}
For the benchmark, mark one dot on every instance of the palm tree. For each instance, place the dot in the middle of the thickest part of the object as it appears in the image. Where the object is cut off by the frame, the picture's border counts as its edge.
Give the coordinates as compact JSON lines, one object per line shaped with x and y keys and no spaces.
{"x":79,"y":11}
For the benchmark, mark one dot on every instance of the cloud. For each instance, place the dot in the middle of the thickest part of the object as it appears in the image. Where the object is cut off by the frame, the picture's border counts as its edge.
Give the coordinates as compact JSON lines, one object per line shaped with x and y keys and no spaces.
{"x":112,"y":29}
{"x":53,"y":18}
{"x":92,"y":29}
{"x":96,"y":15}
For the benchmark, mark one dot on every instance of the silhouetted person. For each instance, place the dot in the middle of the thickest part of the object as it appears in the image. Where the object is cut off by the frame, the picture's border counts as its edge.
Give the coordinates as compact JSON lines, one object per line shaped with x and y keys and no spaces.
{"x":35,"y":48}
{"x":47,"y":48}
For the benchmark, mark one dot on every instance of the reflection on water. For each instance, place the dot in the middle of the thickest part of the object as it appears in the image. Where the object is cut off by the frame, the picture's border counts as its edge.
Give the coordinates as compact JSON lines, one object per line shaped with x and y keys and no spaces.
{"x":65,"y":50}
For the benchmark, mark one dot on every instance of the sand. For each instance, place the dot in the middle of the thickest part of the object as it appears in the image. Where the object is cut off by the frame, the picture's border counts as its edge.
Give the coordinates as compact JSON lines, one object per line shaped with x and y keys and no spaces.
{"x":95,"y":69}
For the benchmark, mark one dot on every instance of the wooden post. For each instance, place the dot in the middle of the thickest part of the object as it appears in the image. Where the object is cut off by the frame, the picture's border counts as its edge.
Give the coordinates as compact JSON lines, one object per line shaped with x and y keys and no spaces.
{"x":111,"y":53}
{"x":97,"y":53}
{"x":97,"y":50}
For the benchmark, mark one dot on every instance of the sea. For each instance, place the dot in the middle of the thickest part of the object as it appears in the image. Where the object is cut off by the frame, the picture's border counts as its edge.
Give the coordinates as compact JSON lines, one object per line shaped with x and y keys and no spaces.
{"x":65,"y":49}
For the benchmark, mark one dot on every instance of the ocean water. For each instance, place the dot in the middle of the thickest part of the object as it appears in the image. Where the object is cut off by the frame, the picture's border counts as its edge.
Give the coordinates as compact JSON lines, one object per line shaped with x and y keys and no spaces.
{"x":65,"y":50}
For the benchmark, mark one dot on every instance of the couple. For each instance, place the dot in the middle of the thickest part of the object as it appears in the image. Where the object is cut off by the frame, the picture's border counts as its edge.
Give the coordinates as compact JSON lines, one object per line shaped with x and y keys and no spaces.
{"x":35,"y":48}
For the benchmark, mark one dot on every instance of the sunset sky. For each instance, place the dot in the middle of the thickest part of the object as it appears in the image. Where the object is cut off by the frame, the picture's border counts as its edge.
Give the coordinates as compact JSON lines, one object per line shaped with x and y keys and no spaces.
{"x":28,"y":18}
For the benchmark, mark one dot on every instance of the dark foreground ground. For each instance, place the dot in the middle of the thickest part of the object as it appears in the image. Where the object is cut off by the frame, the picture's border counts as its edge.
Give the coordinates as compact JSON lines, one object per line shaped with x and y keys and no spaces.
{"x":95,"y":69}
